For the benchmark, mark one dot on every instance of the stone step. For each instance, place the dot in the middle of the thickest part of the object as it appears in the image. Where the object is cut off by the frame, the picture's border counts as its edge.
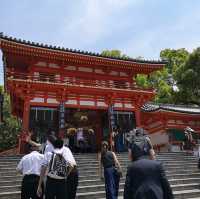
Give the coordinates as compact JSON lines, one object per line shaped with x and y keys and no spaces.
{"x":94,"y":171}
{"x":10,"y":188}
{"x":119,"y":157}
{"x":123,"y":164}
{"x":97,"y":181}
{"x":95,"y":176}
{"x":186,"y":194}
{"x":12,"y":171}
{"x":10,"y":195}
{"x":125,"y":161}
{"x":94,"y":154}
{"x":181,"y":194}
{"x":9,"y":168}
{"x":181,"y":170}
{"x":10,"y":182}
{"x":100,"y":187}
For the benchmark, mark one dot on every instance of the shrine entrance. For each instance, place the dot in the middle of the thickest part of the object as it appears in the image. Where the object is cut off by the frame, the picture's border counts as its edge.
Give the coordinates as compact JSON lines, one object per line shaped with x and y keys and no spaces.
{"x":92,"y":124}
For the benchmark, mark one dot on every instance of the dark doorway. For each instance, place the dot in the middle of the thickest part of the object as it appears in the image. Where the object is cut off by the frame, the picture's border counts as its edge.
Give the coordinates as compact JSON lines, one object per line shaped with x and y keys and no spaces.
{"x":43,"y":120}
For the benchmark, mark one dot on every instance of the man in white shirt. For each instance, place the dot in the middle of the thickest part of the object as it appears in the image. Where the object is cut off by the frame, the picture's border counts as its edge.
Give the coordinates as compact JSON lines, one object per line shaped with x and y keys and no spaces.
{"x":30,"y":167}
{"x":56,"y":183}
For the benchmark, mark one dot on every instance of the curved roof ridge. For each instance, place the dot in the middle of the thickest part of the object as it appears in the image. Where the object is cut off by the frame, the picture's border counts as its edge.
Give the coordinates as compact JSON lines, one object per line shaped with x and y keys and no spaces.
{"x":46,"y":46}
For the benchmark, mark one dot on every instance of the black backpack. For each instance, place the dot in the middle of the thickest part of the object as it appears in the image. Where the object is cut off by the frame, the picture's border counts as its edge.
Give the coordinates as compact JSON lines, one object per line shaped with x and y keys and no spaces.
{"x":140,"y":145}
{"x":58,"y":166}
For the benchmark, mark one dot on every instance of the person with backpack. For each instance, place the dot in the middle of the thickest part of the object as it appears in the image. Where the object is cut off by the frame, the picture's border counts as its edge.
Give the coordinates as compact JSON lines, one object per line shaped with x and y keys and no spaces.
{"x":188,"y":140}
{"x":112,"y":175}
{"x":57,"y":167}
{"x":145,"y":178}
{"x":141,"y":139}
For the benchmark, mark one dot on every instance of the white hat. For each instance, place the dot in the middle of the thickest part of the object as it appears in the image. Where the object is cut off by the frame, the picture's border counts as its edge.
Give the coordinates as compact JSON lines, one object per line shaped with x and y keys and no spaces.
{"x":189,"y":129}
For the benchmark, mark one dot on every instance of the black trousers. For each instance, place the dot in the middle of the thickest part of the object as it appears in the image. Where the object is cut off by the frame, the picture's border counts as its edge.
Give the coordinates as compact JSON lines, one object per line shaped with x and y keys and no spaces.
{"x":29,"y":187}
{"x":55,"y":189}
{"x":72,"y":184}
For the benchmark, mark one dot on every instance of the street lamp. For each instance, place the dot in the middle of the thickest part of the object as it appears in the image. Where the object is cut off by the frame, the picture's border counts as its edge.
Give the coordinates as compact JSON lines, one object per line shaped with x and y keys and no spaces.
{"x":172,"y":83}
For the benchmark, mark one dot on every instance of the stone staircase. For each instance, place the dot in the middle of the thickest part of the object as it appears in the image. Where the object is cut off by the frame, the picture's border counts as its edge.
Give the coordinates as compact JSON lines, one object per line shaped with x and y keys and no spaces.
{"x":181,"y":170}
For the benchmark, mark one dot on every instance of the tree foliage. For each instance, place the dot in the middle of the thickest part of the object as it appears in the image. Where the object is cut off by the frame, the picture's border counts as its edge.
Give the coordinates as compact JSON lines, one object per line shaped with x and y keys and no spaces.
{"x":164,"y":81}
{"x":10,"y":128}
{"x":175,"y":58}
{"x":114,"y":53}
{"x":188,"y":80}
{"x":158,"y":81}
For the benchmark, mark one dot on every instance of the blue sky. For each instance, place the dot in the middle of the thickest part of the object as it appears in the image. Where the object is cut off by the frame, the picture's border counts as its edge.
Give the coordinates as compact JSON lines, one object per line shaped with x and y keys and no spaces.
{"x":136,"y":27}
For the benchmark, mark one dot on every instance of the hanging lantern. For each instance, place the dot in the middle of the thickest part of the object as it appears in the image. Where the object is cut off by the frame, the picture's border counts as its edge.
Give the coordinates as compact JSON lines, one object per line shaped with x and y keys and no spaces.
{"x":71,"y":131}
{"x":84,"y":118}
{"x":90,"y":131}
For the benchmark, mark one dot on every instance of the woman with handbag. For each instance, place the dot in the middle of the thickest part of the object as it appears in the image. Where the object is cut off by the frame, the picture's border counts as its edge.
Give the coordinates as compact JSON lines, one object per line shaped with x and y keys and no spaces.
{"x":112,"y":175}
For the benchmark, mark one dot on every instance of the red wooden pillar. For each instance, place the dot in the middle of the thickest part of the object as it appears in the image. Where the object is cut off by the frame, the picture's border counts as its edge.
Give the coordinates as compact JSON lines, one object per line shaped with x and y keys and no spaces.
{"x":99,"y":131}
{"x":25,"y":126}
{"x":26,"y":114}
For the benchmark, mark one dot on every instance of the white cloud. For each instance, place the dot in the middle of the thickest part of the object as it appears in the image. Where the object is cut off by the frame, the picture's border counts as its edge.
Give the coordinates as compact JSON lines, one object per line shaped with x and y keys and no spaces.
{"x":181,"y":32}
{"x":94,"y":20}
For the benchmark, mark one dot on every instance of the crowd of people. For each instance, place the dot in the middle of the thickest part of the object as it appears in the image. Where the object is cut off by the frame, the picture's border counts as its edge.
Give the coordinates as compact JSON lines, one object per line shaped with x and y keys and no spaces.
{"x":145,"y":176}
{"x":54,"y":174}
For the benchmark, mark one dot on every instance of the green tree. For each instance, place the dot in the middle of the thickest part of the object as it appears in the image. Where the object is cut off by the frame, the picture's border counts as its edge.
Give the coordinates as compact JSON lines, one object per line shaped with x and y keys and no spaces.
{"x":158,"y":81}
{"x":113,"y":53}
{"x":10,"y":127}
{"x":188,"y":80}
{"x":142,"y":81}
{"x":164,"y":81}
{"x":175,"y":58}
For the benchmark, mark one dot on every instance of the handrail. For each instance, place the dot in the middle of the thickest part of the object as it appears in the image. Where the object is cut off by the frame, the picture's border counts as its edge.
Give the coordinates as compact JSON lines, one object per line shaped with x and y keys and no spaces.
{"x":74,"y":81}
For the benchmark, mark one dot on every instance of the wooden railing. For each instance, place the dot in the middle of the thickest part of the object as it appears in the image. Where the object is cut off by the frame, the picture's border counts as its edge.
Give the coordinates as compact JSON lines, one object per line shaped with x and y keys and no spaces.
{"x":73,"y":81}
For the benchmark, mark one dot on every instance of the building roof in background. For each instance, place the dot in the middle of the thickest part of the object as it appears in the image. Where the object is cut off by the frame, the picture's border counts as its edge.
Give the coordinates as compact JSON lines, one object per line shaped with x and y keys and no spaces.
{"x":150,"y":107}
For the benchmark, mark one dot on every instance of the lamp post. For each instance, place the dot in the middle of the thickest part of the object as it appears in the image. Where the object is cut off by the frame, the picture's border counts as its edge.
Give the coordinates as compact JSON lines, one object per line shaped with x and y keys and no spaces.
{"x":172,"y":83}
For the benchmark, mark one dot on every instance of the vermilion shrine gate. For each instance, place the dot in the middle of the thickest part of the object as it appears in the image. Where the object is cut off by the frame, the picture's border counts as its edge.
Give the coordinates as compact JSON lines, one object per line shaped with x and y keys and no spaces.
{"x":42,"y":78}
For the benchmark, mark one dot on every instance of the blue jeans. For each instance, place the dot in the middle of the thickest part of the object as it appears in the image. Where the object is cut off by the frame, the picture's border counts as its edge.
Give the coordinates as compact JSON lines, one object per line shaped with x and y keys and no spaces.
{"x":111,"y":183}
